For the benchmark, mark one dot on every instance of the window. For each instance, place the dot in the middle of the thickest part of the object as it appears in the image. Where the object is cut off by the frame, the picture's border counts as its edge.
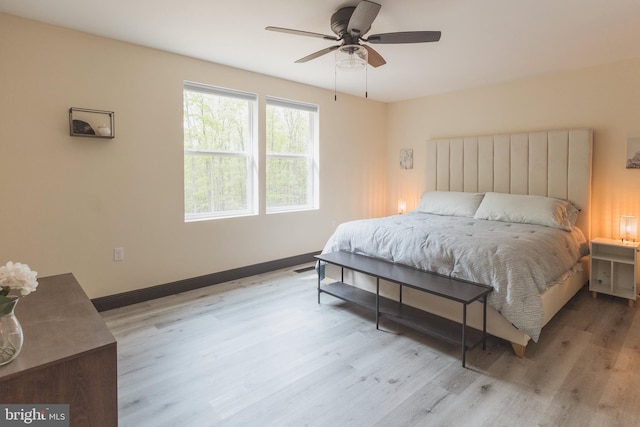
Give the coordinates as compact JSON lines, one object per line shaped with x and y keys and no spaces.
{"x":292,"y":156}
{"x":219,"y":152}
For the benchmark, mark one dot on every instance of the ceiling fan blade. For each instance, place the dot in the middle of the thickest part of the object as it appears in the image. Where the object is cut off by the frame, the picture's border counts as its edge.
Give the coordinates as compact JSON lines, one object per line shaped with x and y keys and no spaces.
{"x":362,"y":18}
{"x":302,"y":33}
{"x":405,"y":37}
{"x":317,"y":54}
{"x":375,"y":59}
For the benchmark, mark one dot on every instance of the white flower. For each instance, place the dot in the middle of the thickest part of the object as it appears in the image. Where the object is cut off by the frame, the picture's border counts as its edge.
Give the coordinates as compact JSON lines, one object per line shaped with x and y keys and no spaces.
{"x":17,"y":277}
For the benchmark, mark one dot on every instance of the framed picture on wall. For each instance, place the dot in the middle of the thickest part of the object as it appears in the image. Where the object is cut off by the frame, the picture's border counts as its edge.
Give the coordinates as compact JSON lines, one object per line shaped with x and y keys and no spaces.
{"x":406,"y":158}
{"x":633,"y":153}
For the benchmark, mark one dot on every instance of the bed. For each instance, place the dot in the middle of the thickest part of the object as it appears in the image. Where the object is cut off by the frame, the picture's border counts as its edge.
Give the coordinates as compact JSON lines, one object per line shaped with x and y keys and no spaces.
{"x":506,"y":202}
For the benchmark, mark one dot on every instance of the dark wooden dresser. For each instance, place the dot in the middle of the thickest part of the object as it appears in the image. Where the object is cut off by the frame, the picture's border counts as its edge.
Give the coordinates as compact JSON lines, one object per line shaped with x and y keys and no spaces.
{"x":69,"y":355}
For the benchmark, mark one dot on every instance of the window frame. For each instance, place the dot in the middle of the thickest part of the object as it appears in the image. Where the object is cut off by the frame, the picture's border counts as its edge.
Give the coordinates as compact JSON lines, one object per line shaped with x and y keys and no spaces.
{"x":251,"y":153}
{"x":312,"y":155}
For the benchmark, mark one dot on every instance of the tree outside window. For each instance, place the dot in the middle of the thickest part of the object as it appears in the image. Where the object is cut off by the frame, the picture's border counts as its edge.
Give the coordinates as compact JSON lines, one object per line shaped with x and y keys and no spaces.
{"x":219,"y":152}
{"x":292,"y":156}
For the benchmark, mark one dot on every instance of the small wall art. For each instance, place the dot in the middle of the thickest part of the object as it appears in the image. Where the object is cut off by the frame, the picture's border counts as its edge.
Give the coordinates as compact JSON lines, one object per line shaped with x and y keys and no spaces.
{"x":91,"y":123}
{"x":406,"y":158}
{"x":633,"y":153}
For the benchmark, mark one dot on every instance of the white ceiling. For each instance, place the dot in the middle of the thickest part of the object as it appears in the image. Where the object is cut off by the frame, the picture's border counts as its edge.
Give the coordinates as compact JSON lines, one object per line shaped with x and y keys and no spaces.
{"x":483,"y":41}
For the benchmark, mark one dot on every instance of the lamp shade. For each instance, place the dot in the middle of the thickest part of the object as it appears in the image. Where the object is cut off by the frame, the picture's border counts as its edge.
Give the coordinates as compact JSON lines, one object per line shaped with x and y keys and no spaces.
{"x":628,"y":228}
{"x":351,"y":57}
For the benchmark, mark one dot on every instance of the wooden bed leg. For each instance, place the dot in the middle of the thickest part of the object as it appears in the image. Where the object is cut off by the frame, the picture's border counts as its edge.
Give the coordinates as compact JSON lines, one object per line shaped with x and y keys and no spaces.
{"x":519,"y":349}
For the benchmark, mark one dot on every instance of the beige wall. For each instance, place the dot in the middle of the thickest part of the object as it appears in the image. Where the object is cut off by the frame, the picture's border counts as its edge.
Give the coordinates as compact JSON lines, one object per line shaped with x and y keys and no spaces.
{"x":67,"y":202}
{"x":604,"y":98}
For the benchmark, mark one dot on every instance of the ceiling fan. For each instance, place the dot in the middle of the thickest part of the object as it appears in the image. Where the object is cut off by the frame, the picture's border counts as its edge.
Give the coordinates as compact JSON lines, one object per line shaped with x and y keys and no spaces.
{"x":350,"y":24}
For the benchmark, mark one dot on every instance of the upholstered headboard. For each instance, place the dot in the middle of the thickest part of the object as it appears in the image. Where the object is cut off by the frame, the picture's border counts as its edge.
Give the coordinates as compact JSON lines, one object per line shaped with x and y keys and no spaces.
{"x":554,"y":163}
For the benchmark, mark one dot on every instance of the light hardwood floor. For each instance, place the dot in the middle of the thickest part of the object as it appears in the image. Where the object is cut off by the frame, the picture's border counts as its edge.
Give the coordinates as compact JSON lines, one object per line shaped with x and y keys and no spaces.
{"x":262,"y":352}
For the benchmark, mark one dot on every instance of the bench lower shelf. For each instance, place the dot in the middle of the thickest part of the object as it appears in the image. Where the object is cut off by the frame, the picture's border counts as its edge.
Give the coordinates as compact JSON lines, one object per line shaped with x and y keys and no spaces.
{"x":427,"y":323}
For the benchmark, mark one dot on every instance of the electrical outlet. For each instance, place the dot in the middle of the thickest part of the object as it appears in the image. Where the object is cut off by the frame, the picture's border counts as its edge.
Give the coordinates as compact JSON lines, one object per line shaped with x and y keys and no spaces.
{"x":118,"y":254}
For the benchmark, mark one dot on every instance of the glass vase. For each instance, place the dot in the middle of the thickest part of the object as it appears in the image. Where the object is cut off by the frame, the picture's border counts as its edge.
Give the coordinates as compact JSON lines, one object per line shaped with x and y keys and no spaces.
{"x":11,"y":337}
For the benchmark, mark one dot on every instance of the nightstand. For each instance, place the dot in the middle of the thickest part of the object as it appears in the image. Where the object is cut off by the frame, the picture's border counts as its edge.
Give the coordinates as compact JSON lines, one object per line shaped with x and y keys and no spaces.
{"x":614,"y":268}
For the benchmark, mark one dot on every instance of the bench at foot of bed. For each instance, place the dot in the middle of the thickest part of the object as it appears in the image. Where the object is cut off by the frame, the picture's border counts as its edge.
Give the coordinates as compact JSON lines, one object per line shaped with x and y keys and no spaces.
{"x":461,"y":291}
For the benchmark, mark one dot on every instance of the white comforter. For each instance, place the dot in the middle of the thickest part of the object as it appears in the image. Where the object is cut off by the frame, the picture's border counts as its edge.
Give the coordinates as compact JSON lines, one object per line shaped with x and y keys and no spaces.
{"x":520,"y":261}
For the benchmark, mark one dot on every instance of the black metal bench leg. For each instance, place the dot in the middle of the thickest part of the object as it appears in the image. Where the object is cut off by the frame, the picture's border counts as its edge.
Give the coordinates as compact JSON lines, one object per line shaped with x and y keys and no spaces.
{"x":484,"y":323}
{"x":377,"y":303}
{"x":318,"y":286}
{"x":464,"y":335}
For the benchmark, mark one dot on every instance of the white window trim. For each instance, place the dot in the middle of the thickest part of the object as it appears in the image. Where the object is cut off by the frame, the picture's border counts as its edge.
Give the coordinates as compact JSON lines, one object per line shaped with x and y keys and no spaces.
{"x":251,"y":155}
{"x":312,"y":155}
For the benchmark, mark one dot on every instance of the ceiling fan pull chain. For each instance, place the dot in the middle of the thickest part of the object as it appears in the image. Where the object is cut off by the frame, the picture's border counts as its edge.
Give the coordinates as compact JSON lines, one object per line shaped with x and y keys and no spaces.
{"x":335,"y":83}
{"x":366,"y":82}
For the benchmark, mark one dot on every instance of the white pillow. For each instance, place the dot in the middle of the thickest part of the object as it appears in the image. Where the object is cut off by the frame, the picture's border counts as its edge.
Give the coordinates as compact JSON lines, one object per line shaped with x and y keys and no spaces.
{"x":453,"y":203}
{"x":528,"y":209}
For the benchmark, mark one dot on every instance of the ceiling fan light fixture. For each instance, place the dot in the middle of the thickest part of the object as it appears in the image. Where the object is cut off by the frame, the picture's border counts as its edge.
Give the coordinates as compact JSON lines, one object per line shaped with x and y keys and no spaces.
{"x":351,"y":57}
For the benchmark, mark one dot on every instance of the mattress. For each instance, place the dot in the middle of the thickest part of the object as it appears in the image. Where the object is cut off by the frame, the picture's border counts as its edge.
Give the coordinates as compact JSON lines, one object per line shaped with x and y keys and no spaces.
{"x":520,"y":261}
